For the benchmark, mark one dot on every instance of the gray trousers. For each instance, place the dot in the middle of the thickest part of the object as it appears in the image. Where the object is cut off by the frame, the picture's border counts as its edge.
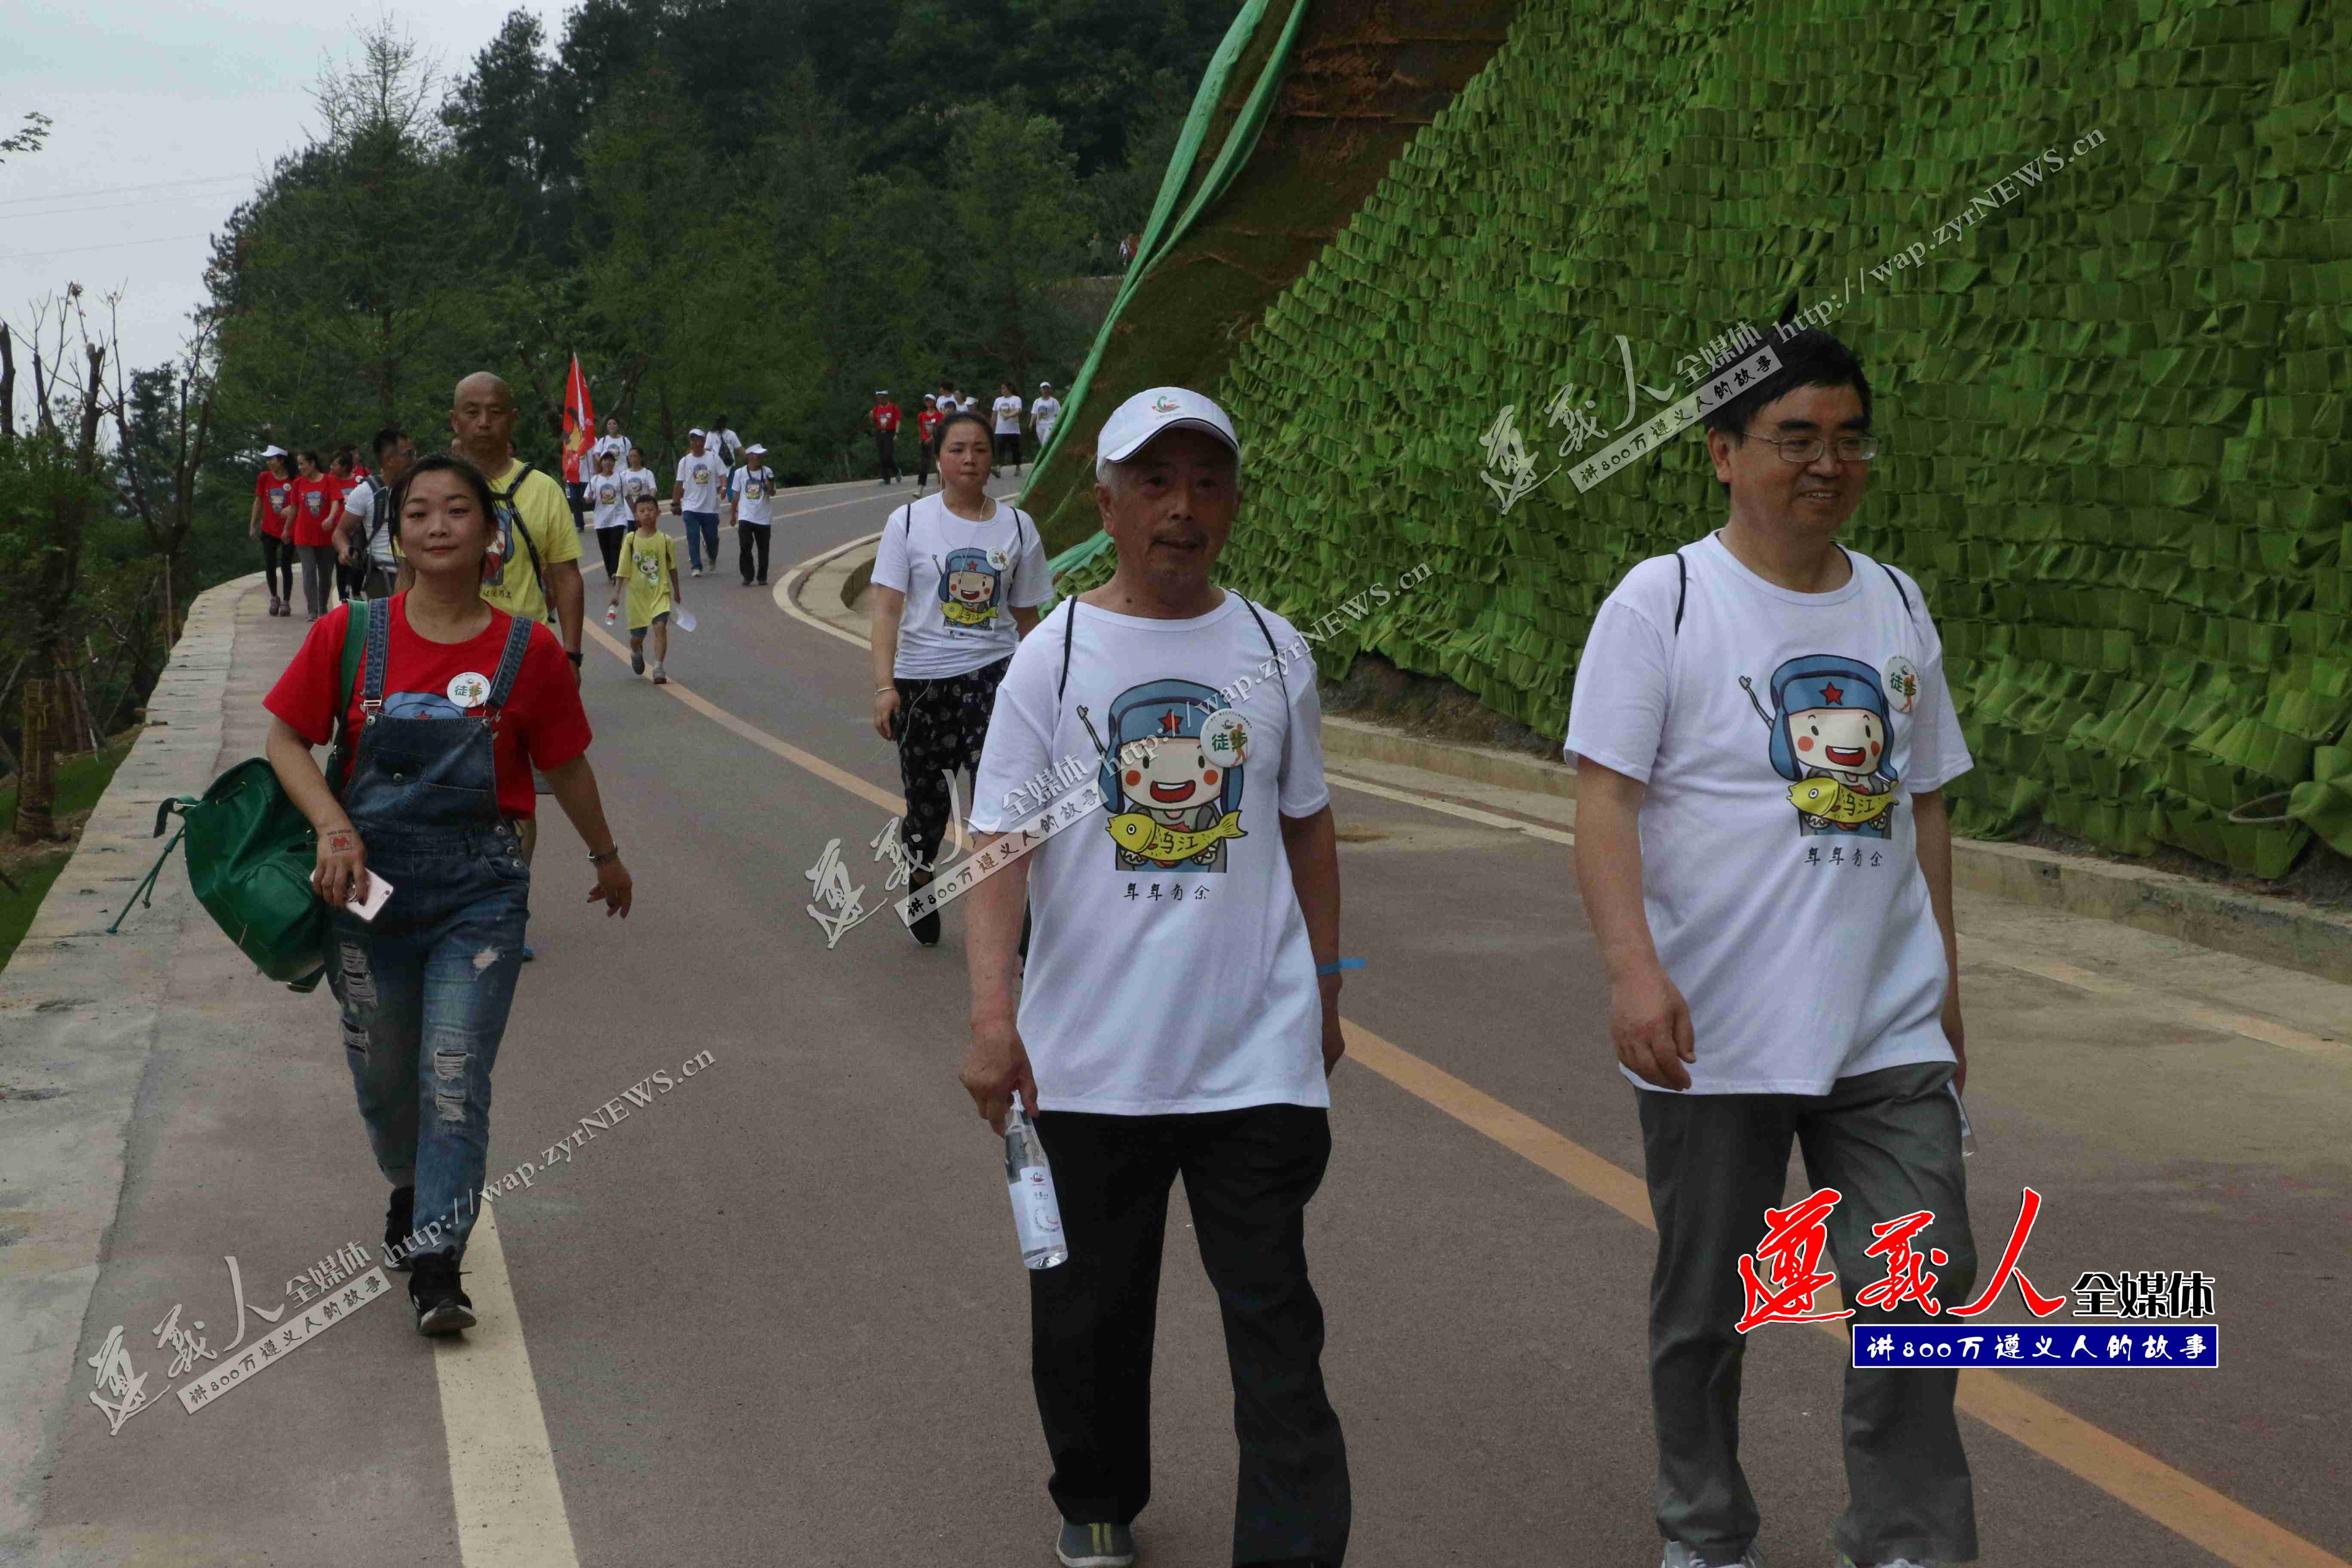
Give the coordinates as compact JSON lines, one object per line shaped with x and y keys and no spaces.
{"x":1890,"y":1142}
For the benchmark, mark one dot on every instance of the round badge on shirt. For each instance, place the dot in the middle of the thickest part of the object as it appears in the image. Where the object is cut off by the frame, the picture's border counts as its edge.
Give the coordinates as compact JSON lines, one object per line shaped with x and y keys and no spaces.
{"x":470,"y":690}
{"x":1224,"y":735}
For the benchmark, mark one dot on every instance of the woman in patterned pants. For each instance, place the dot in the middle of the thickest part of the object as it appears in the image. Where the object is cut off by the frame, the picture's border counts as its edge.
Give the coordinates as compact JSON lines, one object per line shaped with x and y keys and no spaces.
{"x":957,"y":582}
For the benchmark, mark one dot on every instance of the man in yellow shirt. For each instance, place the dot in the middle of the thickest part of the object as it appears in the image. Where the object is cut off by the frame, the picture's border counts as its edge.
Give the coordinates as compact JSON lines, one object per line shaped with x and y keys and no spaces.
{"x":538,"y":574}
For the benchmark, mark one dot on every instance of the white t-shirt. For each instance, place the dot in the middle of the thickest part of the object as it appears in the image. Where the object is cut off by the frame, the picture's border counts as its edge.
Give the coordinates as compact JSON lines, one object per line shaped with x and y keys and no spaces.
{"x":962,"y":581}
{"x":1807,"y":951}
{"x":1008,"y":415}
{"x":1187,"y":986}
{"x":1043,"y":412}
{"x":616,"y":445}
{"x":360,"y":501}
{"x":699,"y":479}
{"x":724,"y":444}
{"x":608,"y":499}
{"x":751,"y":488}
{"x":638,"y":482}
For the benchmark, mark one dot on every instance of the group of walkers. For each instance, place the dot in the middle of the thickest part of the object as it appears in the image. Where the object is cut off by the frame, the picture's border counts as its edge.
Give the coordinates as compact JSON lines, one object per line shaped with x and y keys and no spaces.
{"x":1002,"y":424}
{"x":1190,"y":1029}
{"x":320,"y":521}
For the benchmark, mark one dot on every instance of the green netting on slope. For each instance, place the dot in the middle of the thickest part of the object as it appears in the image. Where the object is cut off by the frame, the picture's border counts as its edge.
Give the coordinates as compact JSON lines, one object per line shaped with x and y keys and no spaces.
{"x":2112,"y":407}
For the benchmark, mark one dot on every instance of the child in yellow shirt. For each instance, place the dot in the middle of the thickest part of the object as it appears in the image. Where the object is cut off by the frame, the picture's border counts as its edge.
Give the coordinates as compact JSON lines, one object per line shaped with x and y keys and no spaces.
{"x":649,"y":566}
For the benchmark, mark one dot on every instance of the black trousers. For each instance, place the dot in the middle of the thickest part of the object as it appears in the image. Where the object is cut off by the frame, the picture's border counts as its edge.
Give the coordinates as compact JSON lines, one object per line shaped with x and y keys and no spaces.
{"x":608,"y":541}
{"x":923,"y":473}
{"x":277,"y":562}
{"x":1248,"y":1176}
{"x":752,"y":537}
{"x":886,"y":455}
{"x":1008,"y":447}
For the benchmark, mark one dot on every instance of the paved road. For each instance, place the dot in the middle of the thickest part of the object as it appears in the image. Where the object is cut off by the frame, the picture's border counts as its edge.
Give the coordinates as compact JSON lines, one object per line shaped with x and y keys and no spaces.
{"x":774,"y":1316}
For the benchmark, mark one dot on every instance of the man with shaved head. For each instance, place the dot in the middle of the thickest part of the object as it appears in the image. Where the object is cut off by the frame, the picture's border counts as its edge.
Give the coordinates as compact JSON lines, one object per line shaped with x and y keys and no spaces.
{"x":537,"y":559}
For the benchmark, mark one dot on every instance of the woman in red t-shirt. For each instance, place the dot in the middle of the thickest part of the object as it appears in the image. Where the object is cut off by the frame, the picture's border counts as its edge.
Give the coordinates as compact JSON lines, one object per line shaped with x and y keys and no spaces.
{"x":273,"y":502}
{"x":318,"y":496}
{"x":925,"y":423}
{"x":455,"y":703}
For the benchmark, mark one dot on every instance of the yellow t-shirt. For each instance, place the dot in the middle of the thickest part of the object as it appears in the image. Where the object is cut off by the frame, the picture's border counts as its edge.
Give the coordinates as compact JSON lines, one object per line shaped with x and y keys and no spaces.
{"x":646,"y":565}
{"x":540,"y":507}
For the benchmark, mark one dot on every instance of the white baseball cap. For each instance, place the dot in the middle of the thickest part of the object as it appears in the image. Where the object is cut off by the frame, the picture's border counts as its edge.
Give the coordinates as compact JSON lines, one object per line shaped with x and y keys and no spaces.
{"x":269,"y":452}
{"x":1044,"y":386}
{"x":1155,"y":411}
{"x":756,"y":450}
{"x":697,"y":430}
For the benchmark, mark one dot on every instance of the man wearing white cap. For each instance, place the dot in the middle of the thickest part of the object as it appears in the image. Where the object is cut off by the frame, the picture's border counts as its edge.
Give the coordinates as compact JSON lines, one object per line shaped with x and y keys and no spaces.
{"x":1179,"y":1008}
{"x":1044,"y":410}
{"x":749,"y":488}
{"x":696,"y":491}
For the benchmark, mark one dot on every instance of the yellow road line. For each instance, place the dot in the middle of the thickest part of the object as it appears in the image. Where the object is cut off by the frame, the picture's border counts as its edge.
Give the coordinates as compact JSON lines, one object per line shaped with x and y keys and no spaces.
{"x":510,"y":1505}
{"x":2141,"y":1481}
{"x":2189,"y":1508}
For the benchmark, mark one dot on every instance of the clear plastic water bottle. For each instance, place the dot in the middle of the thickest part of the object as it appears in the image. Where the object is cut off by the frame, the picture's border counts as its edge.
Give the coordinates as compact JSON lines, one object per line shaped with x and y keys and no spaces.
{"x":612,"y":612}
{"x":1967,"y":1133}
{"x":1036,"y":1213}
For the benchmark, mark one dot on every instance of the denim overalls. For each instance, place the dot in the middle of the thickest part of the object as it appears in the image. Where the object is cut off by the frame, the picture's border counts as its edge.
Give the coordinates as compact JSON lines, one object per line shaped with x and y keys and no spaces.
{"x":425,"y":986}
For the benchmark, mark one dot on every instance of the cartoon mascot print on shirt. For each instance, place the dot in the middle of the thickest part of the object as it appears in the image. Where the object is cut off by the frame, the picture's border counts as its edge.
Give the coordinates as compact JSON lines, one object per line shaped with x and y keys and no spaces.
{"x":1832,"y":736}
{"x":1172,"y":776}
{"x":970,"y":581}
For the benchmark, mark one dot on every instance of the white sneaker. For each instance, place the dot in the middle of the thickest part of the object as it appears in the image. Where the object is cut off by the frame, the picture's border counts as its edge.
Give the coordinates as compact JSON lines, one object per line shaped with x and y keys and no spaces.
{"x":660,"y":679}
{"x":1680,"y":1556}
{"x":1845,"y":1561}
{"x":698,"y":571}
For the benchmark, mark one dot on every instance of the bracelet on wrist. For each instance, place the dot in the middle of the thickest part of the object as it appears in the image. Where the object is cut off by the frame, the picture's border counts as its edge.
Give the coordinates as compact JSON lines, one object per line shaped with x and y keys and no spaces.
{"x":1337,"y":965}
{"x":607,"y":858}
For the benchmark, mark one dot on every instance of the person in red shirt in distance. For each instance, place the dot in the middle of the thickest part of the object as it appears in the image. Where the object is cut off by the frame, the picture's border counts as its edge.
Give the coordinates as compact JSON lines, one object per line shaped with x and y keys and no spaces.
{"x":884,"y":417}
{"x":273,"y":495}
{"x":926,"y":423}
{"x":457,"y":701}
{"x":318,"y":498}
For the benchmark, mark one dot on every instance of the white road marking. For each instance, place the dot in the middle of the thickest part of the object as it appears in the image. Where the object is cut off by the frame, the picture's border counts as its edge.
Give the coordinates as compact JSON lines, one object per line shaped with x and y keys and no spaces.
{"x":1468,"y":813}
{"x":2156,"y":1002}
{"x":510,"y":1504}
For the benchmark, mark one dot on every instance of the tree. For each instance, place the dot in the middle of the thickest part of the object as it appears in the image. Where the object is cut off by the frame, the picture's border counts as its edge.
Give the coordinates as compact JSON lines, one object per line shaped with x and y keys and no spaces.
{"x":29,"y":138}
{"x":1015,"y":195}
{"x":356,"y":285}
{"x":51,"y":497}
{"x":163,"y":421}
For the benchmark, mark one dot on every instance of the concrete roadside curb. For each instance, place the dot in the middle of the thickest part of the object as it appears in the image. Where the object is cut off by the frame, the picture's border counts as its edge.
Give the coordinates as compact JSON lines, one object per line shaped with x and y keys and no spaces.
{"x":79,"y":1011}
{"x":2271,"y":930}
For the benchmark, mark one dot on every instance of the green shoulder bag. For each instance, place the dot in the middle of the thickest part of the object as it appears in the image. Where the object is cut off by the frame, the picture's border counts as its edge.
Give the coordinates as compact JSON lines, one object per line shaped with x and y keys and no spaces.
{"x":250,"y":853}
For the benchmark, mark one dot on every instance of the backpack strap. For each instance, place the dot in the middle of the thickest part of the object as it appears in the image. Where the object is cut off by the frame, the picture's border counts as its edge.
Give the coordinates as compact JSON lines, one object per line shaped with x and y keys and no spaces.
{"x":1069,"y":630}
{"x":339,"y":763}
{"x":379,"y":646}
{"x":538,"y":574}
{"x":1280,"y":667}
{"x":510,"y":664}
{"x":1682,"y":589}
{"x":1900,"y":592}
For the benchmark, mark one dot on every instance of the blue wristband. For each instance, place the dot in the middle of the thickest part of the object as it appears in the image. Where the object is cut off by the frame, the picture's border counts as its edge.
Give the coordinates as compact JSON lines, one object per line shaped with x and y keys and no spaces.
{"x":1341,"y":964}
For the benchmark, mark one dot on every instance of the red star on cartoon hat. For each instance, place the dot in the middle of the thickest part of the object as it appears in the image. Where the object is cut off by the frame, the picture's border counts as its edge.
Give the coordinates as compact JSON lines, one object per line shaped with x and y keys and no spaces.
{"x":1170,"y":723}
{"x":1831,"y":695}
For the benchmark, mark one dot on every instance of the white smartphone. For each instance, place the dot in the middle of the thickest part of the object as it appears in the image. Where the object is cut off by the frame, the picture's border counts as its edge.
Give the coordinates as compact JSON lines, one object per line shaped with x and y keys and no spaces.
{"x":378,"y":890}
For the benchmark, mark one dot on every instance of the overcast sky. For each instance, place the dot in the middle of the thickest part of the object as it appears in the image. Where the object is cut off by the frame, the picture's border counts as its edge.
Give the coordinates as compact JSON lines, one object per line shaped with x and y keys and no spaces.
{"x":167,"y":115}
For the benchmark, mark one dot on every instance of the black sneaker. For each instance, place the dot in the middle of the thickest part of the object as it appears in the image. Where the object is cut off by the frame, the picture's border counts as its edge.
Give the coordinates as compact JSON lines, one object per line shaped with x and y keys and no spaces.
{"x":399,"y":1219}
{"x":925,"y":929}
{"x":1095,"y":1545}
{"x":441,"y":1307}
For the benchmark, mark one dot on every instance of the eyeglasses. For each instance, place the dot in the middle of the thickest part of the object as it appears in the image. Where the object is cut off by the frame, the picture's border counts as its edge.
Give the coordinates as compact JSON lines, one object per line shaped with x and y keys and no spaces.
{"x":1804,"y":449}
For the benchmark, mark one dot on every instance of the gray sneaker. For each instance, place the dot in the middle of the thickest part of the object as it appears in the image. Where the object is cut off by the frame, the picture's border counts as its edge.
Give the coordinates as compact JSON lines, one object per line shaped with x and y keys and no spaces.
{"x":1095,"y":1545}
{"x":1680,"y":1556}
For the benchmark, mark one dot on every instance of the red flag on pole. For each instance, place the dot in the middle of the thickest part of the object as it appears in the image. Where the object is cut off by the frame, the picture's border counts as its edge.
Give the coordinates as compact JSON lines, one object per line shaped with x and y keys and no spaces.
{"x":579,"y":424}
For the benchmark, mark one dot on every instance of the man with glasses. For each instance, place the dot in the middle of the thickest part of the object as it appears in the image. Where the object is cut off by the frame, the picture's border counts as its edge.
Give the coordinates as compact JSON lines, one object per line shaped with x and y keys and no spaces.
{"x":1763,"y":733}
